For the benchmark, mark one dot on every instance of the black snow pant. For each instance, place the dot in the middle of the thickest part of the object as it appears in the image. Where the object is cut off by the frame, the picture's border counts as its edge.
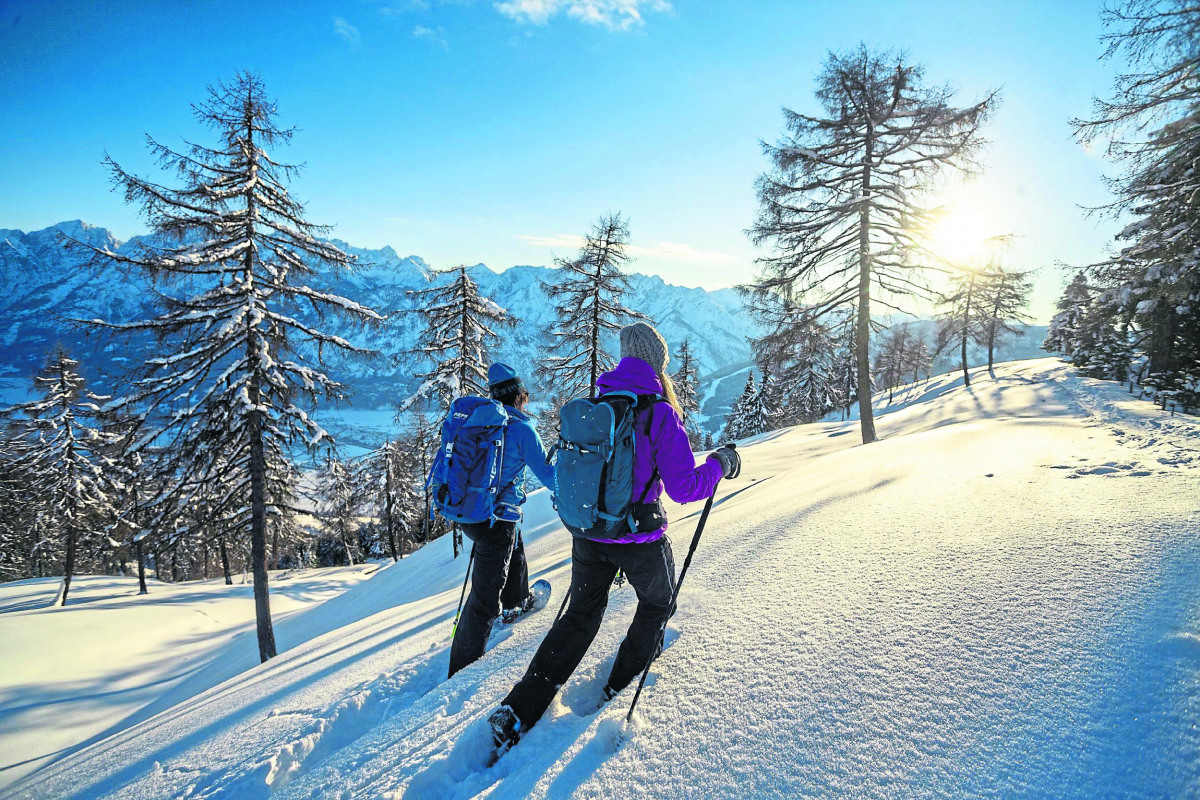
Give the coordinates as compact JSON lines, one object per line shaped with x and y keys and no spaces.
{"x":650,"y":569}
{"x":500,"y":578}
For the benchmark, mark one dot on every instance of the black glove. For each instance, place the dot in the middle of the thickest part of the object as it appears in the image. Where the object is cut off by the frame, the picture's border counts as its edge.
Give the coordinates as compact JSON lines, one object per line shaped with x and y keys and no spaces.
{"x":731,"y":462}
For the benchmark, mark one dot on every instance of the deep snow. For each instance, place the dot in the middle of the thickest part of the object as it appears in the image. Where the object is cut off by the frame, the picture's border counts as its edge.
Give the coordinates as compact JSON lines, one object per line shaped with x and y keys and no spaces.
{"x":1000,"y":598}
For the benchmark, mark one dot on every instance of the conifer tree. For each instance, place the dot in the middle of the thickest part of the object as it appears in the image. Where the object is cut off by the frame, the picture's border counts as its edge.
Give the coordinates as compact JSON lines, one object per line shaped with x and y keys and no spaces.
{"x":756,"y":412}
{"x":1150,"y":288}
{"x":963,"y":320}
{"x":1004,"y":294}
{"x":386,"y":487}
{"x":891,"y":362}
{"x":1063,"y":334}
{"x":62,"y":453}
{"x":461,"y":327}
{"x":242,"y":370}
{"x":687,"y":381}
{"x":341,"y":500}
{"x":588,"y":305}
{"x":845,"y":362}
{"x":841,"y":206}
{"x":735,"y":421}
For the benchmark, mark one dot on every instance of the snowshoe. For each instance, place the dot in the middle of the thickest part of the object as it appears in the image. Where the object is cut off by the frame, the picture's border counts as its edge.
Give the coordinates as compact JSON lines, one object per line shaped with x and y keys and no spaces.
{"x":506,"y":731}
{"x":539,"y":596}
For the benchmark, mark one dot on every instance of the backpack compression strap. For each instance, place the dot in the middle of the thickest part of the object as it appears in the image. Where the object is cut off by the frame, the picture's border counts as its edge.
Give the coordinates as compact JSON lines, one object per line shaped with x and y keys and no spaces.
{"x":652,"y":400}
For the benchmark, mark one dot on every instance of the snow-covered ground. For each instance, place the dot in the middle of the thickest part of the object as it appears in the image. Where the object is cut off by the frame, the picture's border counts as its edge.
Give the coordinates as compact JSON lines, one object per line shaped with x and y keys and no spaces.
{"x":1001,"y":598}
{"x":112,"y":658}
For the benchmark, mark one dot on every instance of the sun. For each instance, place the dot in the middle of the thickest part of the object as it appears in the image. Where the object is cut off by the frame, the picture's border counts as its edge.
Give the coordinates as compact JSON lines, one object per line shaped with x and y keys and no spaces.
{"x":960,"y":236}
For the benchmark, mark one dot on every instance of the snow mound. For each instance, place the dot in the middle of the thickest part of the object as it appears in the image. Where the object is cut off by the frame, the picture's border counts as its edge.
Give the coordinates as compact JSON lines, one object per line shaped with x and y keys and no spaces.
{"x":999,"y":598}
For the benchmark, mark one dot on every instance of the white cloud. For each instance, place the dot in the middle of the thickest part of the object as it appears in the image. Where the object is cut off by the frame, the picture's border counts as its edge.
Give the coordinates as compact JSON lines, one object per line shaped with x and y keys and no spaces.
{"x":676,"y":251}
{"x":668,"y":251}
{"x":566,"y":240}
{"x":616,"y":15}
{"x":437,"y":36}
{"x":347,"y":31}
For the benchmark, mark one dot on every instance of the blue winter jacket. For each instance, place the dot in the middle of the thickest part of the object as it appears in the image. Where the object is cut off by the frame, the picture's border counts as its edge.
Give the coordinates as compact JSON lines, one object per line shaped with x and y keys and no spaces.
{"x":522,"y":448}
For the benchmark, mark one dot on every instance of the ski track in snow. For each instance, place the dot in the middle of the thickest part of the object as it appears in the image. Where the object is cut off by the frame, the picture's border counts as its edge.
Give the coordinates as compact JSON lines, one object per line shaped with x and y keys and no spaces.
{"x":936,"y":615}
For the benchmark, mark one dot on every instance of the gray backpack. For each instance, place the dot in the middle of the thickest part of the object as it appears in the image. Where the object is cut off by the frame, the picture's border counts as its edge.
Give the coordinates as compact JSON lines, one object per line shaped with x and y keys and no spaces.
{"x":593,"y":474}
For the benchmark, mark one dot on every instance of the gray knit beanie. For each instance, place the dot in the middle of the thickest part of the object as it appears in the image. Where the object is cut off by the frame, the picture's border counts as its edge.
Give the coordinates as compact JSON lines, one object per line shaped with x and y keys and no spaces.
{"x":640,"y":340}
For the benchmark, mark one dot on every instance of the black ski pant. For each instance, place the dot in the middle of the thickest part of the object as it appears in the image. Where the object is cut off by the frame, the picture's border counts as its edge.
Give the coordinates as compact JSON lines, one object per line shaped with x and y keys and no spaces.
{"x":500,"y":578}
{"x":650,"y":570}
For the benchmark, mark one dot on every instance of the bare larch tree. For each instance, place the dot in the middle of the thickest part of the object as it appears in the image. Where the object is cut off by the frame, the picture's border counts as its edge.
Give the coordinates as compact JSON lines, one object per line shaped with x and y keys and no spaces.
{"x":841,"y":208}
{"x":233,"y":395}
{"x":588,"y":303}
{"x":461,"y":326}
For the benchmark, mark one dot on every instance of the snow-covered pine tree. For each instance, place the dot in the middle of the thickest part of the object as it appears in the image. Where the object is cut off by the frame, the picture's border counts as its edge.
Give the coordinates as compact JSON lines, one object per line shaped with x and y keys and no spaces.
{"x":588,"y":304}
{"x":963,"y":319}
{"x":340,"y":497}
{"x":735,"y":420}
{"x":461,"y":326}
{"x":418,"y":441}
{"x":386,"y":489}
{"x":891,"y":362}
{"x":756,"y":413}
{"x":708,"y":440}
{"x":917,"y":358}
{"x":62,"y":453}
{"x":845,"y":361}
{"x":234,"y":392}
{"x":547,"y":424}
{"x":1063,"y":334}
{"x":843,"y":198}
{"x":1151,"y":286}
{"x":1004,"y":294}
{"x":687,"y":385}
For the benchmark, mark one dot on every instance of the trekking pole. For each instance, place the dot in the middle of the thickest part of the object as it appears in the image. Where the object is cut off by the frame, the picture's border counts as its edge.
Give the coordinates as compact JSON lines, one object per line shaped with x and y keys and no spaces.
{"x":563,"y":607}
{"x":674,"y":596}
{"x":463,"y":593}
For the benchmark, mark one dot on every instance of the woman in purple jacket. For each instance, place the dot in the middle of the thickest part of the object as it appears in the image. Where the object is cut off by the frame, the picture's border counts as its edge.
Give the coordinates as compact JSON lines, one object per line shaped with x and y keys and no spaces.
{"x":662,"y":460}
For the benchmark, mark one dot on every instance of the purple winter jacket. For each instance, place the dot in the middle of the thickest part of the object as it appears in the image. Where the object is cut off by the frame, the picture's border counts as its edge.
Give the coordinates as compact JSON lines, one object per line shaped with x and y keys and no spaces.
{"x":668,"y":448}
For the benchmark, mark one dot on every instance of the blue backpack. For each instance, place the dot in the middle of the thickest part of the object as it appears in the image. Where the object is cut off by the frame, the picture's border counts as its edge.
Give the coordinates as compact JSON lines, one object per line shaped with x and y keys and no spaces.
{"x":465,"y":477}
{"x":593,"y":474}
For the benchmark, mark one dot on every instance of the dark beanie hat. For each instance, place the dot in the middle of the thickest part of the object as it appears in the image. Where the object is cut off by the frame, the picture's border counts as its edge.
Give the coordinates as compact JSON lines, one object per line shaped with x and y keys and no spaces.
{"x":501,"y":377}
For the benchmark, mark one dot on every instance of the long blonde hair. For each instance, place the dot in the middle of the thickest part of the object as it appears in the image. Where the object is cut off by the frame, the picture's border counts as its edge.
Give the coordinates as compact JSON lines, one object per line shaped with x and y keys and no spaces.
{"x":669,"y":393}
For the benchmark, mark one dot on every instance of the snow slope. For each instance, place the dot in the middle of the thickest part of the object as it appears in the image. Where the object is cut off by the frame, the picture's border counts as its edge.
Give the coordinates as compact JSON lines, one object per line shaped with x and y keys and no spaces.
{"x":1001,"y":598}
{"x":112,"y":658}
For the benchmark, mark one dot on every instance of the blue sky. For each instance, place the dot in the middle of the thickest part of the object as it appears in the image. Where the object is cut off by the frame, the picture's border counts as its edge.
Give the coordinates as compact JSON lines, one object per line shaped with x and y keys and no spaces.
{"x":497,"y":131}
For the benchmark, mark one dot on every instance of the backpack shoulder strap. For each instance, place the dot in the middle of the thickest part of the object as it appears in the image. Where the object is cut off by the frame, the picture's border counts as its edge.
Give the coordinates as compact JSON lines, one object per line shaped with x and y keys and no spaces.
{"x":648,"y":401}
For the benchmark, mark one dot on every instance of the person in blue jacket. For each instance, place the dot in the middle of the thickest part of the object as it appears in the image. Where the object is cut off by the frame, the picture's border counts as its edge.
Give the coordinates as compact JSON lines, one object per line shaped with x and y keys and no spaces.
{"x":500,"y":578}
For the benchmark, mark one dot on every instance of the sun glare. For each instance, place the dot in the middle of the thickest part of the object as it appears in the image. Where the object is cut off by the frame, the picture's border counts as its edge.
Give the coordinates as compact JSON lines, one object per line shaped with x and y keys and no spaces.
{"x":960,"y":236}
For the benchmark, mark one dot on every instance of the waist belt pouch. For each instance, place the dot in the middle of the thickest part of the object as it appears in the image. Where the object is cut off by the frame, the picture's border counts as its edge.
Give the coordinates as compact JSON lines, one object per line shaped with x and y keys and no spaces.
{"x":649,"y":516}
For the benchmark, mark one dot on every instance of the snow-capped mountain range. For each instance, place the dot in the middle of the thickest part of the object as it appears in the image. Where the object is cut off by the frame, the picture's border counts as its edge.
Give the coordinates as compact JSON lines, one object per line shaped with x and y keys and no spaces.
{"x":51,"y":283}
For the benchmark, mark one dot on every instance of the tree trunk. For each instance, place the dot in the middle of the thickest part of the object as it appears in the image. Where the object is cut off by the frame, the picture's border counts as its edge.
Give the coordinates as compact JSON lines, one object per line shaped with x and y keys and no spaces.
{"x":275,"y":548}
{"x":346,"y":547}
{"x":992,"y":333}
{"x":863,"y":328}
{"x":68,"y":566}
{"x":258,"y":532}
{"x":225,"y":562}
{"x":965,"y":329}
{"x":258,"y":459}
{"x":141,"y":556}
{"x":387,"y":504}
{"x":595,"y":360}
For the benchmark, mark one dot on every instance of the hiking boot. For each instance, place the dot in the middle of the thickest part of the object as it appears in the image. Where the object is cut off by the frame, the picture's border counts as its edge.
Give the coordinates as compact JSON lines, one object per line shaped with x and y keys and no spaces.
{"x":510,"y":615}
{"x":506,"y":730}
